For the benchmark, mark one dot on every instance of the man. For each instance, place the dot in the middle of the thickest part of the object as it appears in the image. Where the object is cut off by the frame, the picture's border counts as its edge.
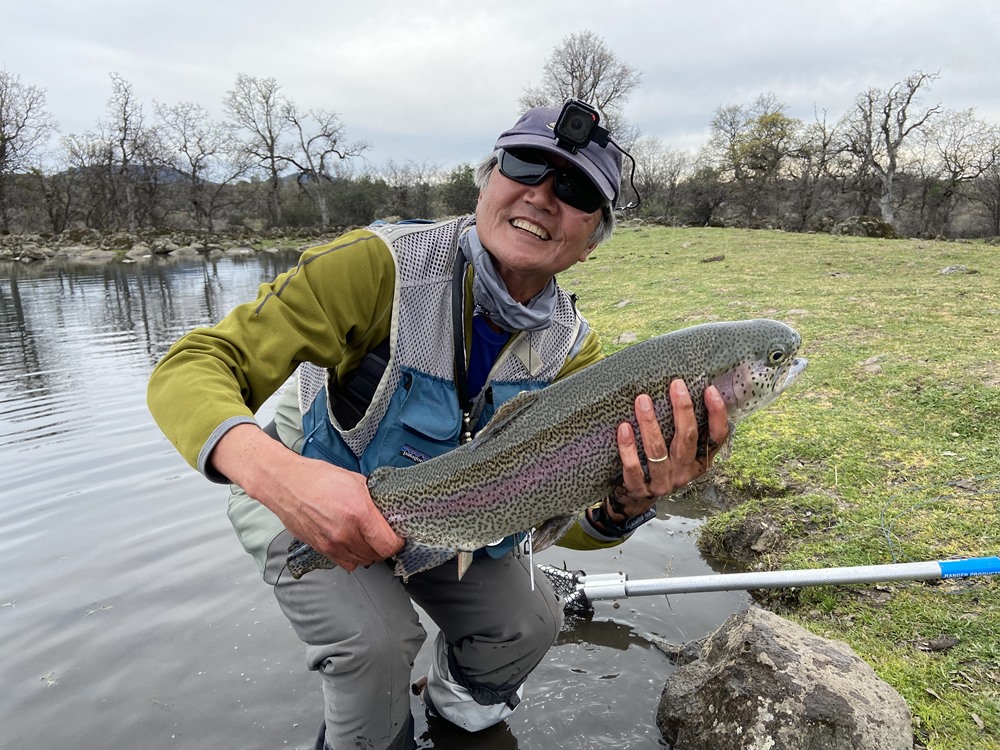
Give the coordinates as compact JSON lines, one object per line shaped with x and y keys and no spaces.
{"x":409,"y":337}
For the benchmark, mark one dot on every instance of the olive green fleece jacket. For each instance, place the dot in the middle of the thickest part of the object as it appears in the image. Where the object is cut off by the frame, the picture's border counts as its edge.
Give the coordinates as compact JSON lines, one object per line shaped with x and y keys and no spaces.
{"x":332,"y":308}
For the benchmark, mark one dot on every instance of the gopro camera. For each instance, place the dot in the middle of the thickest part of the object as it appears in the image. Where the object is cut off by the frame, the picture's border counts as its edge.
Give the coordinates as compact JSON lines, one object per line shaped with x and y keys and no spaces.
{"x":578,"y":125}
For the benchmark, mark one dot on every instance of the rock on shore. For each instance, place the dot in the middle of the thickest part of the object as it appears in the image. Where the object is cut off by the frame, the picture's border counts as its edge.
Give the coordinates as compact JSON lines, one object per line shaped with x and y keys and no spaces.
{"x":764,"y":683}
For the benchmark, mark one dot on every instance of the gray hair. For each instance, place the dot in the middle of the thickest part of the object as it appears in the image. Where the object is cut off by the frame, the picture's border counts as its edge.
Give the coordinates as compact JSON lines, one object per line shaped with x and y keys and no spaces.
{"x":601,"y":234}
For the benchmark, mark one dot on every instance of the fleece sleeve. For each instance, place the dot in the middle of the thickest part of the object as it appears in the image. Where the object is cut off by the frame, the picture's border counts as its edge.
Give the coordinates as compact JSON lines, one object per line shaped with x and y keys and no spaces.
{"x":335,"y":301}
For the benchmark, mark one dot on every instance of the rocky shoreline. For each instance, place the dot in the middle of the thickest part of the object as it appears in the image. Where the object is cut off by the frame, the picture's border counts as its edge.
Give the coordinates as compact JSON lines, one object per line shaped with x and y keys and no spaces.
{"x":126,"y":247}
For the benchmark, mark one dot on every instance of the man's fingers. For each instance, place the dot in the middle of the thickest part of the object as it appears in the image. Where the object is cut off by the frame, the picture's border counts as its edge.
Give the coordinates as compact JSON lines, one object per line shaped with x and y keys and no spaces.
{"x":684,"y":445}
{"x":351,"y":545}
{"x":628,"y":450}
{"x":669,"y":469}
{"x":354,"y":556}
{"x":718,"y":419}
{"x":380,"y":538}
{"x":653,"y":444}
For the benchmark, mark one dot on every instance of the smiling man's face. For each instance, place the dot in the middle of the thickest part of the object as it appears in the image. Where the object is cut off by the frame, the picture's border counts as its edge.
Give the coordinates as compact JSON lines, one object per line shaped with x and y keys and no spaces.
{"x":530,"y":233}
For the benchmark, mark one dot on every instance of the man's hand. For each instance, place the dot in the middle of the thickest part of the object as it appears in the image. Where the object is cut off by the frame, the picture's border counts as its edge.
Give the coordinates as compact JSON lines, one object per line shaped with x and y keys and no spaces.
{"x":330,"y":509}
{"x":669,"y":469}
{"x":323,"y":505}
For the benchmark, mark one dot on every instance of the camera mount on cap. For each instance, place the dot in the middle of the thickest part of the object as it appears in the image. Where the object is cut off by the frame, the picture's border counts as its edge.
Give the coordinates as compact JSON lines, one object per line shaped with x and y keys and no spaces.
{"x":579,"y":124}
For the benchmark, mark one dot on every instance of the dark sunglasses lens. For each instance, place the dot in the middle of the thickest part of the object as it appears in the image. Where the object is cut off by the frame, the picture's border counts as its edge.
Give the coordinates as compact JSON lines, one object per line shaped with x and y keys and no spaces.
{"x":570,"y":186}
{"x":522,"y":167}
{"x":577,"y":191}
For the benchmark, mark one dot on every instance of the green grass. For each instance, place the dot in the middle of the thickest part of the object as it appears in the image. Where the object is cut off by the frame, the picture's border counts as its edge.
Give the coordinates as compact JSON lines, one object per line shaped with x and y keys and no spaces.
{"x":888,"y":450}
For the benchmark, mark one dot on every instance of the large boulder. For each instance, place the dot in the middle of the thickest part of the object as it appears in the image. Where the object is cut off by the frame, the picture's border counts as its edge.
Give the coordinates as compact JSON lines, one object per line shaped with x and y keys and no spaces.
{"x":865,"y":226}
{"x":764,"y":683}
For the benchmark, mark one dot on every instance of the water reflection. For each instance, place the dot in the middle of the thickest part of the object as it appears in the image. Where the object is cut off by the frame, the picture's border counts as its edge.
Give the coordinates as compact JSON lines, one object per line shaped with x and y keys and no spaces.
{"x":62,"y":324}
{"x":129,"y":613}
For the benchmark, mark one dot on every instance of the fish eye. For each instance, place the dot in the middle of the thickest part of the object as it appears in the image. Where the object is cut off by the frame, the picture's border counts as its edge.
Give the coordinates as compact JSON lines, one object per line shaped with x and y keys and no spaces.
{"x":776,"y":356}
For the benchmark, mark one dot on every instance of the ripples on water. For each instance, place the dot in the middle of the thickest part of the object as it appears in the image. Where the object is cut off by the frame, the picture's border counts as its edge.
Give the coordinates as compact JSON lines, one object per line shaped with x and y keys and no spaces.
{"x":129,"y":615}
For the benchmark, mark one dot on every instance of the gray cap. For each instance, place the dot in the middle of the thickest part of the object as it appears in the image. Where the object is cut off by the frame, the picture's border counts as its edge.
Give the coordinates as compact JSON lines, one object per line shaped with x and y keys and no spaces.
{"x":536,"y":129}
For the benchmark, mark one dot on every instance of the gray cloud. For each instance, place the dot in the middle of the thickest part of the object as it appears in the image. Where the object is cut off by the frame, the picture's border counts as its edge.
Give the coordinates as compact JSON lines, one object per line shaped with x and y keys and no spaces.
{"x":436,"y":81}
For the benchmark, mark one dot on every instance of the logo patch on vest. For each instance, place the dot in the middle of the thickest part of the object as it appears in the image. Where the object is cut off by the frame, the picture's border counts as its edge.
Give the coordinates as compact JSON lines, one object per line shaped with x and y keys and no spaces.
{"x":408,"y":451}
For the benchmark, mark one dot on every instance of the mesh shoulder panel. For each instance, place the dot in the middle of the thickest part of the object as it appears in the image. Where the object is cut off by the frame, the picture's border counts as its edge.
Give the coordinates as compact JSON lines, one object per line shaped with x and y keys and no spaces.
{"x":420,"y":334}
{"x":426,"y":262}
{"x":312,"y":379}
{"x":542,"y":354}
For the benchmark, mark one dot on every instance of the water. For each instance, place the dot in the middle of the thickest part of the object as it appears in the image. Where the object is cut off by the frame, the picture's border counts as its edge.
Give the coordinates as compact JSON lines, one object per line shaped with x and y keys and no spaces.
{"x":129,"y":615}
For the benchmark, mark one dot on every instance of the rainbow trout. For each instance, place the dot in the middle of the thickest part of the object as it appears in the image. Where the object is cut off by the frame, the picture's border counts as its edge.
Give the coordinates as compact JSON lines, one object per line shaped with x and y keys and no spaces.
{"x":549,"y":454}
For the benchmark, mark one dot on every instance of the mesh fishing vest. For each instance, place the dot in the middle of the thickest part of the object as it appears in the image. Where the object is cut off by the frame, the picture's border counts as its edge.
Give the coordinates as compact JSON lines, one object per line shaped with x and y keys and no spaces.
{"x":421,"y":335}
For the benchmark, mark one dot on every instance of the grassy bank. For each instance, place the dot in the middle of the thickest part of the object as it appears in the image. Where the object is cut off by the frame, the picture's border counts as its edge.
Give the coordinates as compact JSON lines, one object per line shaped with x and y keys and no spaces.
{"x":887,"y":451}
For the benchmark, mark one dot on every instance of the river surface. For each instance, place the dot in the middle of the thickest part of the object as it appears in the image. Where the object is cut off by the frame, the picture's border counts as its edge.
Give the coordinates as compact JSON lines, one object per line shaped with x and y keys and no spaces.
{"x":130,"y":617}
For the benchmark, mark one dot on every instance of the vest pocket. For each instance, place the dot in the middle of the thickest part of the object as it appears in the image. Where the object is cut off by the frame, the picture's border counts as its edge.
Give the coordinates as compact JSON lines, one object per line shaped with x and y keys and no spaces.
{"x":423,"y":421}
{"x":322,"y":441}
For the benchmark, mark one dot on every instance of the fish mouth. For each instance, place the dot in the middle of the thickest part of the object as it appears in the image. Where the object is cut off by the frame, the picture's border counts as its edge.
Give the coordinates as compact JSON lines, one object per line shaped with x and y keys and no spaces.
{"x":531,"y":228}
{"x":786,"y":375}
{"x":794,"y":369}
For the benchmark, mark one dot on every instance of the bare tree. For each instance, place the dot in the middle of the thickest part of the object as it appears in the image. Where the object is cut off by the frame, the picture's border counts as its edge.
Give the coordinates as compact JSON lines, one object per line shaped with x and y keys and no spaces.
{"x":658,"y":170}
{"x":117,"y":169}
{"x":958,"y":144}
{"x":319,"y":134}
{"x":25,"y":127}
{"x":411,"y":188}
{"x":120,"y":165}
{"x":199,"y":151}
{"x":879,"y":126}
{"x":89,"y":161}
{"x":751,"y":145}
{"x":986,"y":189}
{"x":583,"y":67}
{"x":125,"y":129}
{"x":57,"y":195}
{"x":256,"y":107}
{"x":812,"y":164}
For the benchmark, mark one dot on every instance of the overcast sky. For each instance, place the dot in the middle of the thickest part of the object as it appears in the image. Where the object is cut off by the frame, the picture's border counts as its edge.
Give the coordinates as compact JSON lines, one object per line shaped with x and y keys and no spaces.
{"x":436,"y":82}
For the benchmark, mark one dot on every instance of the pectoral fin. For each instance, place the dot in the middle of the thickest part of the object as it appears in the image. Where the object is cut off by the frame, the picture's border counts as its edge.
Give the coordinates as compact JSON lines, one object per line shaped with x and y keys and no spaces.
{"x":551,"y":531}
{"x":416,"y":558}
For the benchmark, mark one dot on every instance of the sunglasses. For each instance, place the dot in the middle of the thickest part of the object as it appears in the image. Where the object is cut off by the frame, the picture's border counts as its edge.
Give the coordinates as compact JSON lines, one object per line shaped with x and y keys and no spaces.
{"x":570,"y":185}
